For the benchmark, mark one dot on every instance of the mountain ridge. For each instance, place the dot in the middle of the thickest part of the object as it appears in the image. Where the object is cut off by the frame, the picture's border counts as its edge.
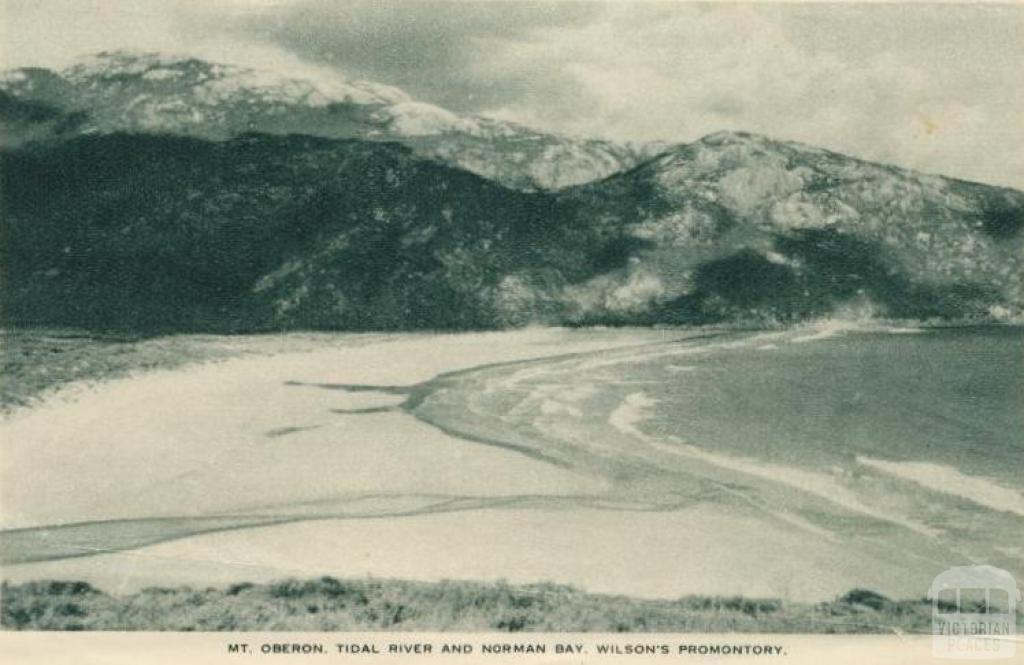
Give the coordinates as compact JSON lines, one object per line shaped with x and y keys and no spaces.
{"x":268,"y":232}
{"x":147,"y":92}
{"x":176,"y":194}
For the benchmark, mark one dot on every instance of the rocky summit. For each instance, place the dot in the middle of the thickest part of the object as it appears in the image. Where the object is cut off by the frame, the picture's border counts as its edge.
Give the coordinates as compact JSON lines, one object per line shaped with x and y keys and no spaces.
{"x":132,"y":92}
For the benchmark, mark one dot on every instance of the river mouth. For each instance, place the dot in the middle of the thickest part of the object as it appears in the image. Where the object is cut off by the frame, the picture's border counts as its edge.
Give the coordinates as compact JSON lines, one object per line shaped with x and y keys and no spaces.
{"x":636,"y":434}
{"x":910,"y":439}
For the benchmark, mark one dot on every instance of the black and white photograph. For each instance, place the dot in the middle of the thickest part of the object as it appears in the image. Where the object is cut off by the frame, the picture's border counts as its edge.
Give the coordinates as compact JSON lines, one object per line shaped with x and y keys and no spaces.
{"x":689,"y":328}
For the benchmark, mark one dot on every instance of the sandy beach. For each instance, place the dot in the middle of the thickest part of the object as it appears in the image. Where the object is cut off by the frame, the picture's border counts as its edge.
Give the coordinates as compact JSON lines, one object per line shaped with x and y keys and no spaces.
{"x":303,"y":464}
{"x":251,"y":432}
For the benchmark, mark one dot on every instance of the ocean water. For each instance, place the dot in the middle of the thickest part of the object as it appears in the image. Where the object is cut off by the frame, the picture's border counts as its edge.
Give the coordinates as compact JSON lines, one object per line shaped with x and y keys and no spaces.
{"x":905,"y":443}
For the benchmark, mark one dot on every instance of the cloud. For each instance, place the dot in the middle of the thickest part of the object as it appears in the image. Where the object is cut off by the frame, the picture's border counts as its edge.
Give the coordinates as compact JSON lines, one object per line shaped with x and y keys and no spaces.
{"x":931,"y":87}
{"x":679,"y":72}
{"x":436,"y":51}
{"x":53,"y":33}
{"x":928,"y":87}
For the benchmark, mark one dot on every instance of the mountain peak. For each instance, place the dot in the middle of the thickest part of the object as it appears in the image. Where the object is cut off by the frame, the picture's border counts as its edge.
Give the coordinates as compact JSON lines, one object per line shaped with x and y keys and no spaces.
{"x":727,"y":151}
{"x":207,"y":82}
{"x":147,"y":92}
{"x":754,"y":141}
{"x":130,"y":63}
{"x":726,"y":137}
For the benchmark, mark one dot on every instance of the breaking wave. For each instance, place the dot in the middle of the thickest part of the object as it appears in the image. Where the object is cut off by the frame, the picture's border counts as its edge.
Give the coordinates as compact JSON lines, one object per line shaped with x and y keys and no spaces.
{"x":947,"y":480}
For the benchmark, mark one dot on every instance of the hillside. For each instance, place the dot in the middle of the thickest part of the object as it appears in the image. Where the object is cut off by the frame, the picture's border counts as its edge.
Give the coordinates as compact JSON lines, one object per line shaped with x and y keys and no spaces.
{"x":268,"y":232}
{"x":174,"y":194}
{"x":149,"y":93}
{"x":740,"y":225}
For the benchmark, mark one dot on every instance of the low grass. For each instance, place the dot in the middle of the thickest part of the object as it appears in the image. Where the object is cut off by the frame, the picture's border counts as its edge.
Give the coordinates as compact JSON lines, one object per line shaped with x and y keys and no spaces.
{"x":329,"y":604}
{"x":36,"y":362}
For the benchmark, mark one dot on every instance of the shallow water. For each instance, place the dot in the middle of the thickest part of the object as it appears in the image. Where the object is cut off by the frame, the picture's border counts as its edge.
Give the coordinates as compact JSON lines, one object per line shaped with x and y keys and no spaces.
{"x":950,"y":397}
{"x":903,"y":442}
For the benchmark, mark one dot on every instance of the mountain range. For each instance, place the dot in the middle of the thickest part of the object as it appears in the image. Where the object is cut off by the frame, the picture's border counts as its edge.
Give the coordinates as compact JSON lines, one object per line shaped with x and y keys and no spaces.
{"x":130,"y":92}
{"x":172,"y":194}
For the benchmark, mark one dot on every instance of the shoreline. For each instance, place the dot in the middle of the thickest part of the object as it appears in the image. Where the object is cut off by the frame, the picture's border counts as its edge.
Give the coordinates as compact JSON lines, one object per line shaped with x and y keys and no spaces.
{"x":439,"y":482}
{"x":201,"y":348}
{"x":415,"y":446}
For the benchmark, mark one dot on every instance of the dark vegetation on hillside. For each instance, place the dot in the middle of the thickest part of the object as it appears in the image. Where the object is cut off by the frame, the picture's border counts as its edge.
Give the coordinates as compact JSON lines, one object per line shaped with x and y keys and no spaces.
{"x":157,"y":234}
{"x":162,"y":233}
{"x":833,"y":268}
{"x":22,"y":121}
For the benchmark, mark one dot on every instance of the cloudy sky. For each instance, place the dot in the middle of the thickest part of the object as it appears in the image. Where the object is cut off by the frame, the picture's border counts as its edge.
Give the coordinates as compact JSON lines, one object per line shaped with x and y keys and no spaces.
{"x":932,"y":87}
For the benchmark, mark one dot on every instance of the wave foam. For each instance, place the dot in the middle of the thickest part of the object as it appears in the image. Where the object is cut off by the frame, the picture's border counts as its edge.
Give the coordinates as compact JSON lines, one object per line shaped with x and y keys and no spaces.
{"x":948,"y":480}
{"x":833,"y":327}
{"x":634,"y":409}
{"x":819,"y":484}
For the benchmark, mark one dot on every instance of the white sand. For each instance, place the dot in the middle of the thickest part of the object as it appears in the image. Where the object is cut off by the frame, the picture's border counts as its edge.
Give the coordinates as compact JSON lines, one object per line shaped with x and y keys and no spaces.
{"x":236,"y":438}
{"x":704,"y":549}
{"x":194,"y":441}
